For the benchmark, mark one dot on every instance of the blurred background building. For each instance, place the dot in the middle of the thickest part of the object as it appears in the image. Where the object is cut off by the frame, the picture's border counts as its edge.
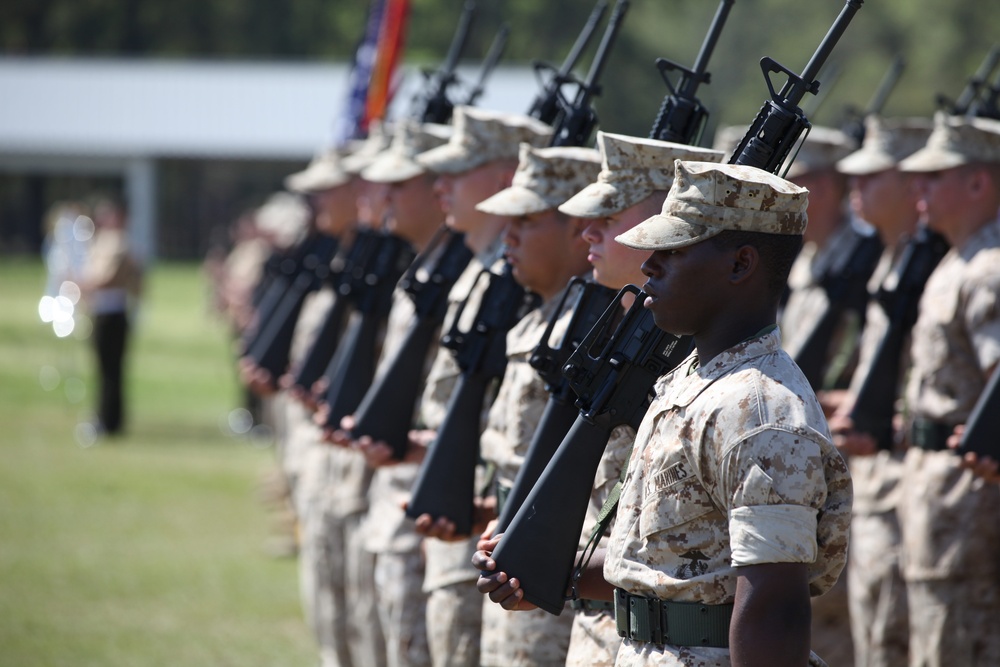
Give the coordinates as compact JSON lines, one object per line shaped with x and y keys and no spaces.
{"x":194,"y":110}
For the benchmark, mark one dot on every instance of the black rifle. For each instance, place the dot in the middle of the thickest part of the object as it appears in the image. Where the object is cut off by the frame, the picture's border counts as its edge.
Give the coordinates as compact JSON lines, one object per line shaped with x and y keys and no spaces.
{"x":493,"y":57}
{"x":445,"y":484}
{"x":271,"y":348}
{"x":436,"y":106}
{"x":578,"y":121}
{"x":386,"y":412}
{"x":549,"y":103}
{"x":987,"y":105}
{"x":875,"y":403}
{"x":613,"y":374}
{"x":284,"y":268}
{"x":983,"y":426}
{"x":780,"y":122}
{"x":560,"y":411}
{"x":344,"y":279}
{"x":854,"y":123}
{"x":350,"y":372}
{"x":973,"y":88}
{"x":845,"y":290}
{"x":614,"y":382}
{"x":682,"y":116}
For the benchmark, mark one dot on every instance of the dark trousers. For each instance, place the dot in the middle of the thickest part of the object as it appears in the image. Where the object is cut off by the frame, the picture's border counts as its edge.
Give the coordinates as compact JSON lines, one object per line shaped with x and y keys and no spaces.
{"x":110,"y":336}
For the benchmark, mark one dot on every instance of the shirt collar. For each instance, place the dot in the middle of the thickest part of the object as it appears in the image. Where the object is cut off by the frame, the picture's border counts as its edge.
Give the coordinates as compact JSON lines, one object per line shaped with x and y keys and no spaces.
{"x":685,"y":386}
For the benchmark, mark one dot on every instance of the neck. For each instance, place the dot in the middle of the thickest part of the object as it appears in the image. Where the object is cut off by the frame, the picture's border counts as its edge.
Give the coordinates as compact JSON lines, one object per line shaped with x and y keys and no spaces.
{"x":483,"y":235}
{"x":728,"y":334}
{"x":960,"y":235}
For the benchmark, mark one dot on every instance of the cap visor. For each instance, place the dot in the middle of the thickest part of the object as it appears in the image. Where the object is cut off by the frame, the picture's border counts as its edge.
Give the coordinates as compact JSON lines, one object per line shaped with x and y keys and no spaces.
{"x":514,"y":201}
{"x":662,"y":232}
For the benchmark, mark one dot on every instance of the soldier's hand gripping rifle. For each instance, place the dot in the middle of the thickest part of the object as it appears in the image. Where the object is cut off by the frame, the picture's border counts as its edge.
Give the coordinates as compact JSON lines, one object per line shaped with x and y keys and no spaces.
{"x":344,"y":279}
{"x":350,"y":372}
{"x":271,"y":348}
{"x":549,"y":103}
{"x":682,"y":116}
{"x":445,"y":484}
{"x":845,"y":289}
{"x":577,"y":122}
{"x":386,"y":412}
{"x":493,"y":57}
{"x":435,"y":105}
{"x":899,"y":296}
{"x":974,"y":87}
{"x":614,"y":384}
{"x":560,"y":411}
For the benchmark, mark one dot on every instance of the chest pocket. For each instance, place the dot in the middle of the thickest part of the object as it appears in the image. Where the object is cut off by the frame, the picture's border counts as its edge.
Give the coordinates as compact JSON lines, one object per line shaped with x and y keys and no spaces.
{"x":673,"y":497}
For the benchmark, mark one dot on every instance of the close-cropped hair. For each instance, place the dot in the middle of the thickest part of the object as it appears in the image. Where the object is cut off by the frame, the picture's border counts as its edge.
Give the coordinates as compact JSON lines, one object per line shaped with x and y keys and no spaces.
{"x":777,"y":252}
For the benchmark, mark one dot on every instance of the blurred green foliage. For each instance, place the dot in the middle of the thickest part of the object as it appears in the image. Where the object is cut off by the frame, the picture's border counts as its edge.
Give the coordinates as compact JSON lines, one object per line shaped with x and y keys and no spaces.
{"x":943,"y":42}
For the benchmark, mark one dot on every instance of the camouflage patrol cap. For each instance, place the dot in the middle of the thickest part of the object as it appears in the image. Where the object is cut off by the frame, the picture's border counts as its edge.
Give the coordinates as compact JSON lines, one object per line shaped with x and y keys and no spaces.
{"x":887,"y":143}
{"x":366,"y":151}
{"x":708,"y":198}
{"x":284,"y":217}
{"x":957,"y":140}
{"x":399,"y":162}
{"x":822,"y":149}
{"x":482,"y":136}
{"x":326,"y":171}
{"x":545,"y":178}
{"x":632,"y":169}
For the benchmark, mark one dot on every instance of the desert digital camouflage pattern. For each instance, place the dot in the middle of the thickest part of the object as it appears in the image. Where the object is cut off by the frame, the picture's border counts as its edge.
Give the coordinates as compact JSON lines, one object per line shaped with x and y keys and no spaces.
{"x":545,"y":178}
{"x":325,"y":171}
{"x":733,"y":465}
{"x":632,"y":168}
{"x":399,"y":163}
{"x":707,"y":198}
{"x":887,"y":142}
{"x":533,"y":638}
{"x":482,"y":136}
{"x":955,"y":141}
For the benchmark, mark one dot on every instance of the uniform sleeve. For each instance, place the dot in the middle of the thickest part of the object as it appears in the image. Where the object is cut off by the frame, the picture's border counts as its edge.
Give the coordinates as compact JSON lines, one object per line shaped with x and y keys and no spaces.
{"x":982,"y":320}
{"x":775,"y":483}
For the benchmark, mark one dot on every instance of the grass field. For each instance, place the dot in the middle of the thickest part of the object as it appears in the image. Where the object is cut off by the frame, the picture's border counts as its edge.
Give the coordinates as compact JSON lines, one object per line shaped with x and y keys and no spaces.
{"x":146,"y":550}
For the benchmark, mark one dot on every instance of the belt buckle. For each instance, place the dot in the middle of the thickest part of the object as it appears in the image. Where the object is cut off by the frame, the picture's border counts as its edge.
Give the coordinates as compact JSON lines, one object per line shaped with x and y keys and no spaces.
{"x":621,"y":613}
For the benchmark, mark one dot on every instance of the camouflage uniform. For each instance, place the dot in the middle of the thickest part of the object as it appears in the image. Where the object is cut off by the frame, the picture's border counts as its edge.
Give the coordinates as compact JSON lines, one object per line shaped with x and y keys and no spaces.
{"x":454,"y":606}
{"x":682,"y":495}
{"x":336,"y":577}
{"x":454,"y":611}
{"x":388,"y":533}
{"x":950,"y":533}
{"x":632,"y":169}
{"x":733,"y":463}
{"x":875,"y":587}
{"x":399,"y":563}
{"x":947,"y":515}
{"x":522,"y":638}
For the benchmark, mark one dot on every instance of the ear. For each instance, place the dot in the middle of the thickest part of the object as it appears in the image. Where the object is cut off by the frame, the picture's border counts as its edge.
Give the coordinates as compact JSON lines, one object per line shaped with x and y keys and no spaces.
{"x":745,"y":263}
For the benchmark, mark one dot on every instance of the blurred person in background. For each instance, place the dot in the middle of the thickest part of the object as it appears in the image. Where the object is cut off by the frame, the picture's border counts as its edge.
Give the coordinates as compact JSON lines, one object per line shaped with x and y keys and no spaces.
{"x":110,"y":283}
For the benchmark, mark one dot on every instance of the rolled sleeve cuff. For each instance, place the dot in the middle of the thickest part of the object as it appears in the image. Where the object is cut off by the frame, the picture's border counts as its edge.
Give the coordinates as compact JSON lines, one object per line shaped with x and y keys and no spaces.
{"x":773,"y":534}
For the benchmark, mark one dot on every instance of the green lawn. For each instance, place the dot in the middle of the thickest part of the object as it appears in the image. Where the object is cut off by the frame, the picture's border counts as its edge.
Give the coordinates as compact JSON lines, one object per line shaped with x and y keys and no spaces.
{"x":147,"y":550}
